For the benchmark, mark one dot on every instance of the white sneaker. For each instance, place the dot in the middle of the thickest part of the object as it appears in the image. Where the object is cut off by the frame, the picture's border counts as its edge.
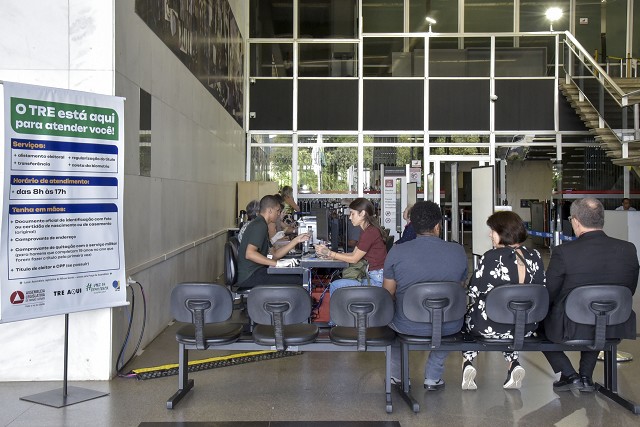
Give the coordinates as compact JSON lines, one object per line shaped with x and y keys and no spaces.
{"x":514,"y":377}
{"x":468,"y":377}
{"x":398,"y":381}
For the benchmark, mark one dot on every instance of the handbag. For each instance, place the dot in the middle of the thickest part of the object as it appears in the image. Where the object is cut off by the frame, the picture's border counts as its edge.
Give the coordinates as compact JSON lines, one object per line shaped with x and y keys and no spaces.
{"x":357,"y":271}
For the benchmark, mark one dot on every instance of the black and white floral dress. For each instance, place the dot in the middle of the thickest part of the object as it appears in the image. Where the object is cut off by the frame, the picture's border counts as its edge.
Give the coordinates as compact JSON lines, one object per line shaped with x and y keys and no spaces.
{"x":497,"y":267}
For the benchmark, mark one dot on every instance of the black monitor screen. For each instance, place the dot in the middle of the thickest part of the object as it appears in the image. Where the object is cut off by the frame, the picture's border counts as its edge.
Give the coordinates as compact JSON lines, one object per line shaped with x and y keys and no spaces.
{"x":322,"y":218}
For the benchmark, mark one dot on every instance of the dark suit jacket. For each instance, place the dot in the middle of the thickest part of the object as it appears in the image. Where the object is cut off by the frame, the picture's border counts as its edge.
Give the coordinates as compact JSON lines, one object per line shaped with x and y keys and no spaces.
{"x":594,"y":258}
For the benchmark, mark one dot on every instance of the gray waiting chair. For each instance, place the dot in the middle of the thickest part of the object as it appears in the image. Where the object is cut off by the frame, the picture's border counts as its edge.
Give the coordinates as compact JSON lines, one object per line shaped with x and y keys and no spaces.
{"x":362,"y":315}
{"x":280,"y":314}
{"x":518,"y":305}
{"x":431,"y":303}
{"x":600,"y":306}
{"x":205,"y":308}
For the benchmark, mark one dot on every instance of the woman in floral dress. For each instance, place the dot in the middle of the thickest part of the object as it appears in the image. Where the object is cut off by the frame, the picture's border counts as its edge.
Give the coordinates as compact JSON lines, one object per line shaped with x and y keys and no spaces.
{"x":507,"y":263}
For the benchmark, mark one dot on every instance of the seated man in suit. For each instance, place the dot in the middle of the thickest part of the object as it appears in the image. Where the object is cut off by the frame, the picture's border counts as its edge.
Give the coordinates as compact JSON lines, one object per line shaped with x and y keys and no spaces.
{"x":594,"y":258}
{"x":254,"y":248}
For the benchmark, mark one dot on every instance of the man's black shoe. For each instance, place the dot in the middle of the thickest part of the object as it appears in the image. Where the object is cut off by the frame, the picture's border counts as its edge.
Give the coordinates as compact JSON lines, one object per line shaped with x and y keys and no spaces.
{"x":572,"y":382}
{"x":586,"y":384}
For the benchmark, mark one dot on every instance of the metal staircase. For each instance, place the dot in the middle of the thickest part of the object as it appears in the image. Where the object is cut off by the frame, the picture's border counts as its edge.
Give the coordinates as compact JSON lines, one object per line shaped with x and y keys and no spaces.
{"x":602,"y":133}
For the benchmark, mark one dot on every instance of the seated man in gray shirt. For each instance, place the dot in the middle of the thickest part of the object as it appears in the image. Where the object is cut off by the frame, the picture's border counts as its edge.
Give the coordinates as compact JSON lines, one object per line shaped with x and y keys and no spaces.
{"x":254,"y":248}
{"x":427,"y":258}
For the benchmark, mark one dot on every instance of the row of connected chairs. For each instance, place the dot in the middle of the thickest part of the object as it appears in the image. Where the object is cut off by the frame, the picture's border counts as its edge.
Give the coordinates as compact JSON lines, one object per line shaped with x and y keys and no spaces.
{"x":520,"y":306}
{"x":281,"y":313}
{"x":280,"y":317}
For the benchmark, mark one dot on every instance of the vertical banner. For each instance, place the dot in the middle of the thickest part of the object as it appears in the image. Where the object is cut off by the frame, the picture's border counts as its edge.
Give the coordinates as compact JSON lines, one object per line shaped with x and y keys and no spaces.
{"x":61,"y":241}
{"x":393,"y":191}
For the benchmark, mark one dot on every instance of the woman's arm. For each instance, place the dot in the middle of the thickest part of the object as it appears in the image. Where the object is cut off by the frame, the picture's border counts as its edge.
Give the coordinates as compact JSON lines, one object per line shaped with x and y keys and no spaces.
{"x":350,"y":257}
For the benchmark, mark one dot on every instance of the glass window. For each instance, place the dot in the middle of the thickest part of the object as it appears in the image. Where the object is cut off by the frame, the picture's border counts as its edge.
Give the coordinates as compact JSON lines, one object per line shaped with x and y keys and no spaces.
{"x":445,"y":12}
{"x":393,"y":57}
{"x":271,"y":18}
{"x":382,"y":16}
{"x":271,"y":164}
{"x":376,"y":156}
{"x":327,"y":139}
{"x":533,"y":18}
{"x":328,"y":19}
{"x":546,"y":43}
{"x":145,"y":133}
{"x":327,"y":169}
{"x":271,"y":139}
{"x":481,"y":16}
{"x":473,"y":61}
{"x":455,"y":145}
{"x":328,"y":60}
{"x":271,"y":60}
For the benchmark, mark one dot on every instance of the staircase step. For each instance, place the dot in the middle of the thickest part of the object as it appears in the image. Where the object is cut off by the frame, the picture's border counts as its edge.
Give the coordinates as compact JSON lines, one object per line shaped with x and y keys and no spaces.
{"x":630,"y":161}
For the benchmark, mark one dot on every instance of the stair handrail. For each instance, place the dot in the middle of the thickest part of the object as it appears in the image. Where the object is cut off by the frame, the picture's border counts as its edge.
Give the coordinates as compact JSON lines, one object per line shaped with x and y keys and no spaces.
{"x":624,"y":97}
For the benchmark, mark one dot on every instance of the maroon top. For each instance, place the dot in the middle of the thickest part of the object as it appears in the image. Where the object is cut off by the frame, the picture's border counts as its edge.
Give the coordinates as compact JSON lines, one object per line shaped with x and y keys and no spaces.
{"x":376,"y":251}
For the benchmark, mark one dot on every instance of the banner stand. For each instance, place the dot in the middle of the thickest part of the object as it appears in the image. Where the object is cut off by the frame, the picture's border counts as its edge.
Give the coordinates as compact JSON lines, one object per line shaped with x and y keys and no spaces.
{"x":67,"y":395}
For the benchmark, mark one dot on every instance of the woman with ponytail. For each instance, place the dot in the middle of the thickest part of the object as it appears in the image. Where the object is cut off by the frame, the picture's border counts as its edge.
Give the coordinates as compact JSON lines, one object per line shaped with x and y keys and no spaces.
{"x":371,"y":246}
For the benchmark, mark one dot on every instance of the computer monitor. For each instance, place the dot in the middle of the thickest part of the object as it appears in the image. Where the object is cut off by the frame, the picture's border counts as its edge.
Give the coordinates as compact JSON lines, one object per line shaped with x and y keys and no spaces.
{"x":322,"y":223}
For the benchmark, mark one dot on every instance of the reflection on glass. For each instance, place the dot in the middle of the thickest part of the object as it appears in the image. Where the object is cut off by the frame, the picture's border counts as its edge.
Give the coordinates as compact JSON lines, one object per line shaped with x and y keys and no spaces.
{"x":394,"y":139}
{"x":327,"y":139}
{"x":328,"y":60}
{"x":328,"y":169}
{"x":532,"y":16}
{"x":473,"y":61}
{"x":393,"y":57}
{"x":445,"y":12}
{"x":546,"y":43}
{"x":271,"y":60}
{"x":271,"y":139}
{"x":382,"y":16}
{"x":271,"y":164}
{"x":399,"y":156}
{"x":328,"y":19}
{"x":481,"y":16}
{"x":437,"y":143}
{"x":271,"y":18}
{"x":144,"y":143}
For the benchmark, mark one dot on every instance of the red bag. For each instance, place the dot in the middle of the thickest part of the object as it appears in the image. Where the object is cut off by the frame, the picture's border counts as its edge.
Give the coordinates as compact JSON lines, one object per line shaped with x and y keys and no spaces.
{"x":320,"y":311}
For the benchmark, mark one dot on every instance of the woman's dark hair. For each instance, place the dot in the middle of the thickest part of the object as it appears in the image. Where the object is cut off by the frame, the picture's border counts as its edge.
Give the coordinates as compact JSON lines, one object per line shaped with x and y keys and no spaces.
{"x":509,"y":227}
{"x":280,"y":200}
{"x":362,"y":204}
{"x":287,"y":191}
{"x":253,"y":207}
{"x":425,"y":216}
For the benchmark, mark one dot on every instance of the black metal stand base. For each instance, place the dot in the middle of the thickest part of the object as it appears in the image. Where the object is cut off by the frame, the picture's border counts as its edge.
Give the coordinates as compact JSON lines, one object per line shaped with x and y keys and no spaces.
{"x":57,"y":399}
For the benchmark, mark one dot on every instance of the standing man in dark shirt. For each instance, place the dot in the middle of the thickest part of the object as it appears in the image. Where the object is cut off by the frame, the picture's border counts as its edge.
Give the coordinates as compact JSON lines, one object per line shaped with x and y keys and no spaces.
{"x":254,"y":248}
{"x":594,"y":258}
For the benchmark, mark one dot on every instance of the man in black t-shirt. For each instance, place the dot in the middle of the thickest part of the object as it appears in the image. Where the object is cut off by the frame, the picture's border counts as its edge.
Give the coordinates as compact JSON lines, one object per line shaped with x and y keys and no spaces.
{"x":254,"y":248}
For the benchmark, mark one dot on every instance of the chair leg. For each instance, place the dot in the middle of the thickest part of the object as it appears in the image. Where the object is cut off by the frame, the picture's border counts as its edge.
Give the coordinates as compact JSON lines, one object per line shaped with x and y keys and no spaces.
{"x":404,"y":389}
{"x":610,"y":388}
{"x":184,"y":383}
{"x":387,"y":379}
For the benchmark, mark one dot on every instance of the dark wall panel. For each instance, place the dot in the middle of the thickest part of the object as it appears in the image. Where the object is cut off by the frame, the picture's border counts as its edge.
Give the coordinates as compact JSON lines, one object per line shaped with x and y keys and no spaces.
{"x":524,"y":105}
{"x":459,"y":104}
{"x":272,"y":102}
{"x":393,"y":105}
{"x":328,"y":105}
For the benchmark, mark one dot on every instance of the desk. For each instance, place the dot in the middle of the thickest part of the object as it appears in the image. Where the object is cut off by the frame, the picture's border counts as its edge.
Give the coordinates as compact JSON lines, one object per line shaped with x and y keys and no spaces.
{"x":308,"y":262}
{"x":312,"y":261}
